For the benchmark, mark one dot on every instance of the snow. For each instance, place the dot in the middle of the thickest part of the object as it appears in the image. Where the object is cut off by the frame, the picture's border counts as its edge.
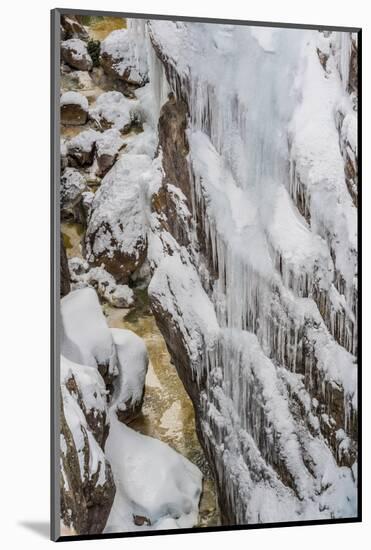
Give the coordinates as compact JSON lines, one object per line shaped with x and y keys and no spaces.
{"x":133,"y":364}
{"x":152,"y":480}
{"x":78,"y":47}
{"x":72,"y":186}
{"x":74,"y":98}
{"x":86,"y":338}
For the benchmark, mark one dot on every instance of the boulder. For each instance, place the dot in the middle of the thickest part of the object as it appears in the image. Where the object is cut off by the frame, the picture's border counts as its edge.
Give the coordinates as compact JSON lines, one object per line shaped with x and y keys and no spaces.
{"x":75,"y":53}
{"x":74,"y":109}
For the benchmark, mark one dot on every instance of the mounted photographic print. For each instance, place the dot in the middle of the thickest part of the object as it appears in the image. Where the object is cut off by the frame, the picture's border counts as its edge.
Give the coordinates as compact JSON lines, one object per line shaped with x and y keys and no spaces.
{"x":205,"y":274}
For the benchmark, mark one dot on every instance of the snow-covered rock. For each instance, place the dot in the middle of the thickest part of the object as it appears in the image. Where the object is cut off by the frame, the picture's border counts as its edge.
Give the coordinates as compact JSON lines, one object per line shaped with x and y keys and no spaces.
{"x":132,"y":358}
{"x":154,"y":483}
{"x":72,"y":28}
{"x":65,"y":283}
{"x":87,"y":485}
{"x":97,"y":277}
{"x":114,"y":110}
{"x":86,"y":338}
{"x":72,"y":187}
{"x":108,"y":145}
{"x":81,"y":148}
{"x":75,"y":53}
{"x":118,"y":60}
{"x":275,"y":250}
{"x":117,"y":229}
{"x":74,"y":108}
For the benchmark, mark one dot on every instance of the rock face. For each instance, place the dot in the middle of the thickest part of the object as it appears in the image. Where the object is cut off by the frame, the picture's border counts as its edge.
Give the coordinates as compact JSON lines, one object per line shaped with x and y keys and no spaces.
{"x":81,"y":149}
{"x":87,"y":486}
{"x":75,"y":53}
{"x":74,"y":109}
{"x":263,"y":338}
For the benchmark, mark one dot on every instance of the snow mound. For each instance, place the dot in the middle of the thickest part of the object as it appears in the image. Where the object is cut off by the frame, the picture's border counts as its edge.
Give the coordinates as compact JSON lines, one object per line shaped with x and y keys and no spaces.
{"x":152,"y":481}
{"x":86,"y":338}
{"x":117,"y":230}
{"x":118,"y":50}
{"x":72,"y":186}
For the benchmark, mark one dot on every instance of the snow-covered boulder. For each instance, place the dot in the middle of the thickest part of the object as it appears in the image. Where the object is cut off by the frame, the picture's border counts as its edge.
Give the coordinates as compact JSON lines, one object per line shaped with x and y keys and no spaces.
{"x":117,"y":229}
{"x":108,"y":145}
{"x":114,"y":110}
{"x":87,"y":485}
{"x":74,"y":109}
{"x":81,"y":148}
{"x":118,"y":60}
{"x":86,"y":338}
{"x":102,"y":281}
{"x":132,"y":358}
{"x":71,"y":189}
{"x":156,"y":486}
{"x":75,"y":53}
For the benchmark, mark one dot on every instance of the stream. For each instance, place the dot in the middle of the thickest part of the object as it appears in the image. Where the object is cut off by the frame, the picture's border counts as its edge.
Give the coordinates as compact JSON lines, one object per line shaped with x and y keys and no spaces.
{"x":167,"y":412}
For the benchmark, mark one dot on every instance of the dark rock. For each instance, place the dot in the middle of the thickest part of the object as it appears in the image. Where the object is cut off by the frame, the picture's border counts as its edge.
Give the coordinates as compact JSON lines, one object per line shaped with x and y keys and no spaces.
{"x":72,"y":28}
{"x":64,"y":271}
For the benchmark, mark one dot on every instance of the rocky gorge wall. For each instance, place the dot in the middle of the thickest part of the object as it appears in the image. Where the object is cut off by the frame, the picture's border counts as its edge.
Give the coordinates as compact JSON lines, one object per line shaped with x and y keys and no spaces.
{"x":221,"y":172}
